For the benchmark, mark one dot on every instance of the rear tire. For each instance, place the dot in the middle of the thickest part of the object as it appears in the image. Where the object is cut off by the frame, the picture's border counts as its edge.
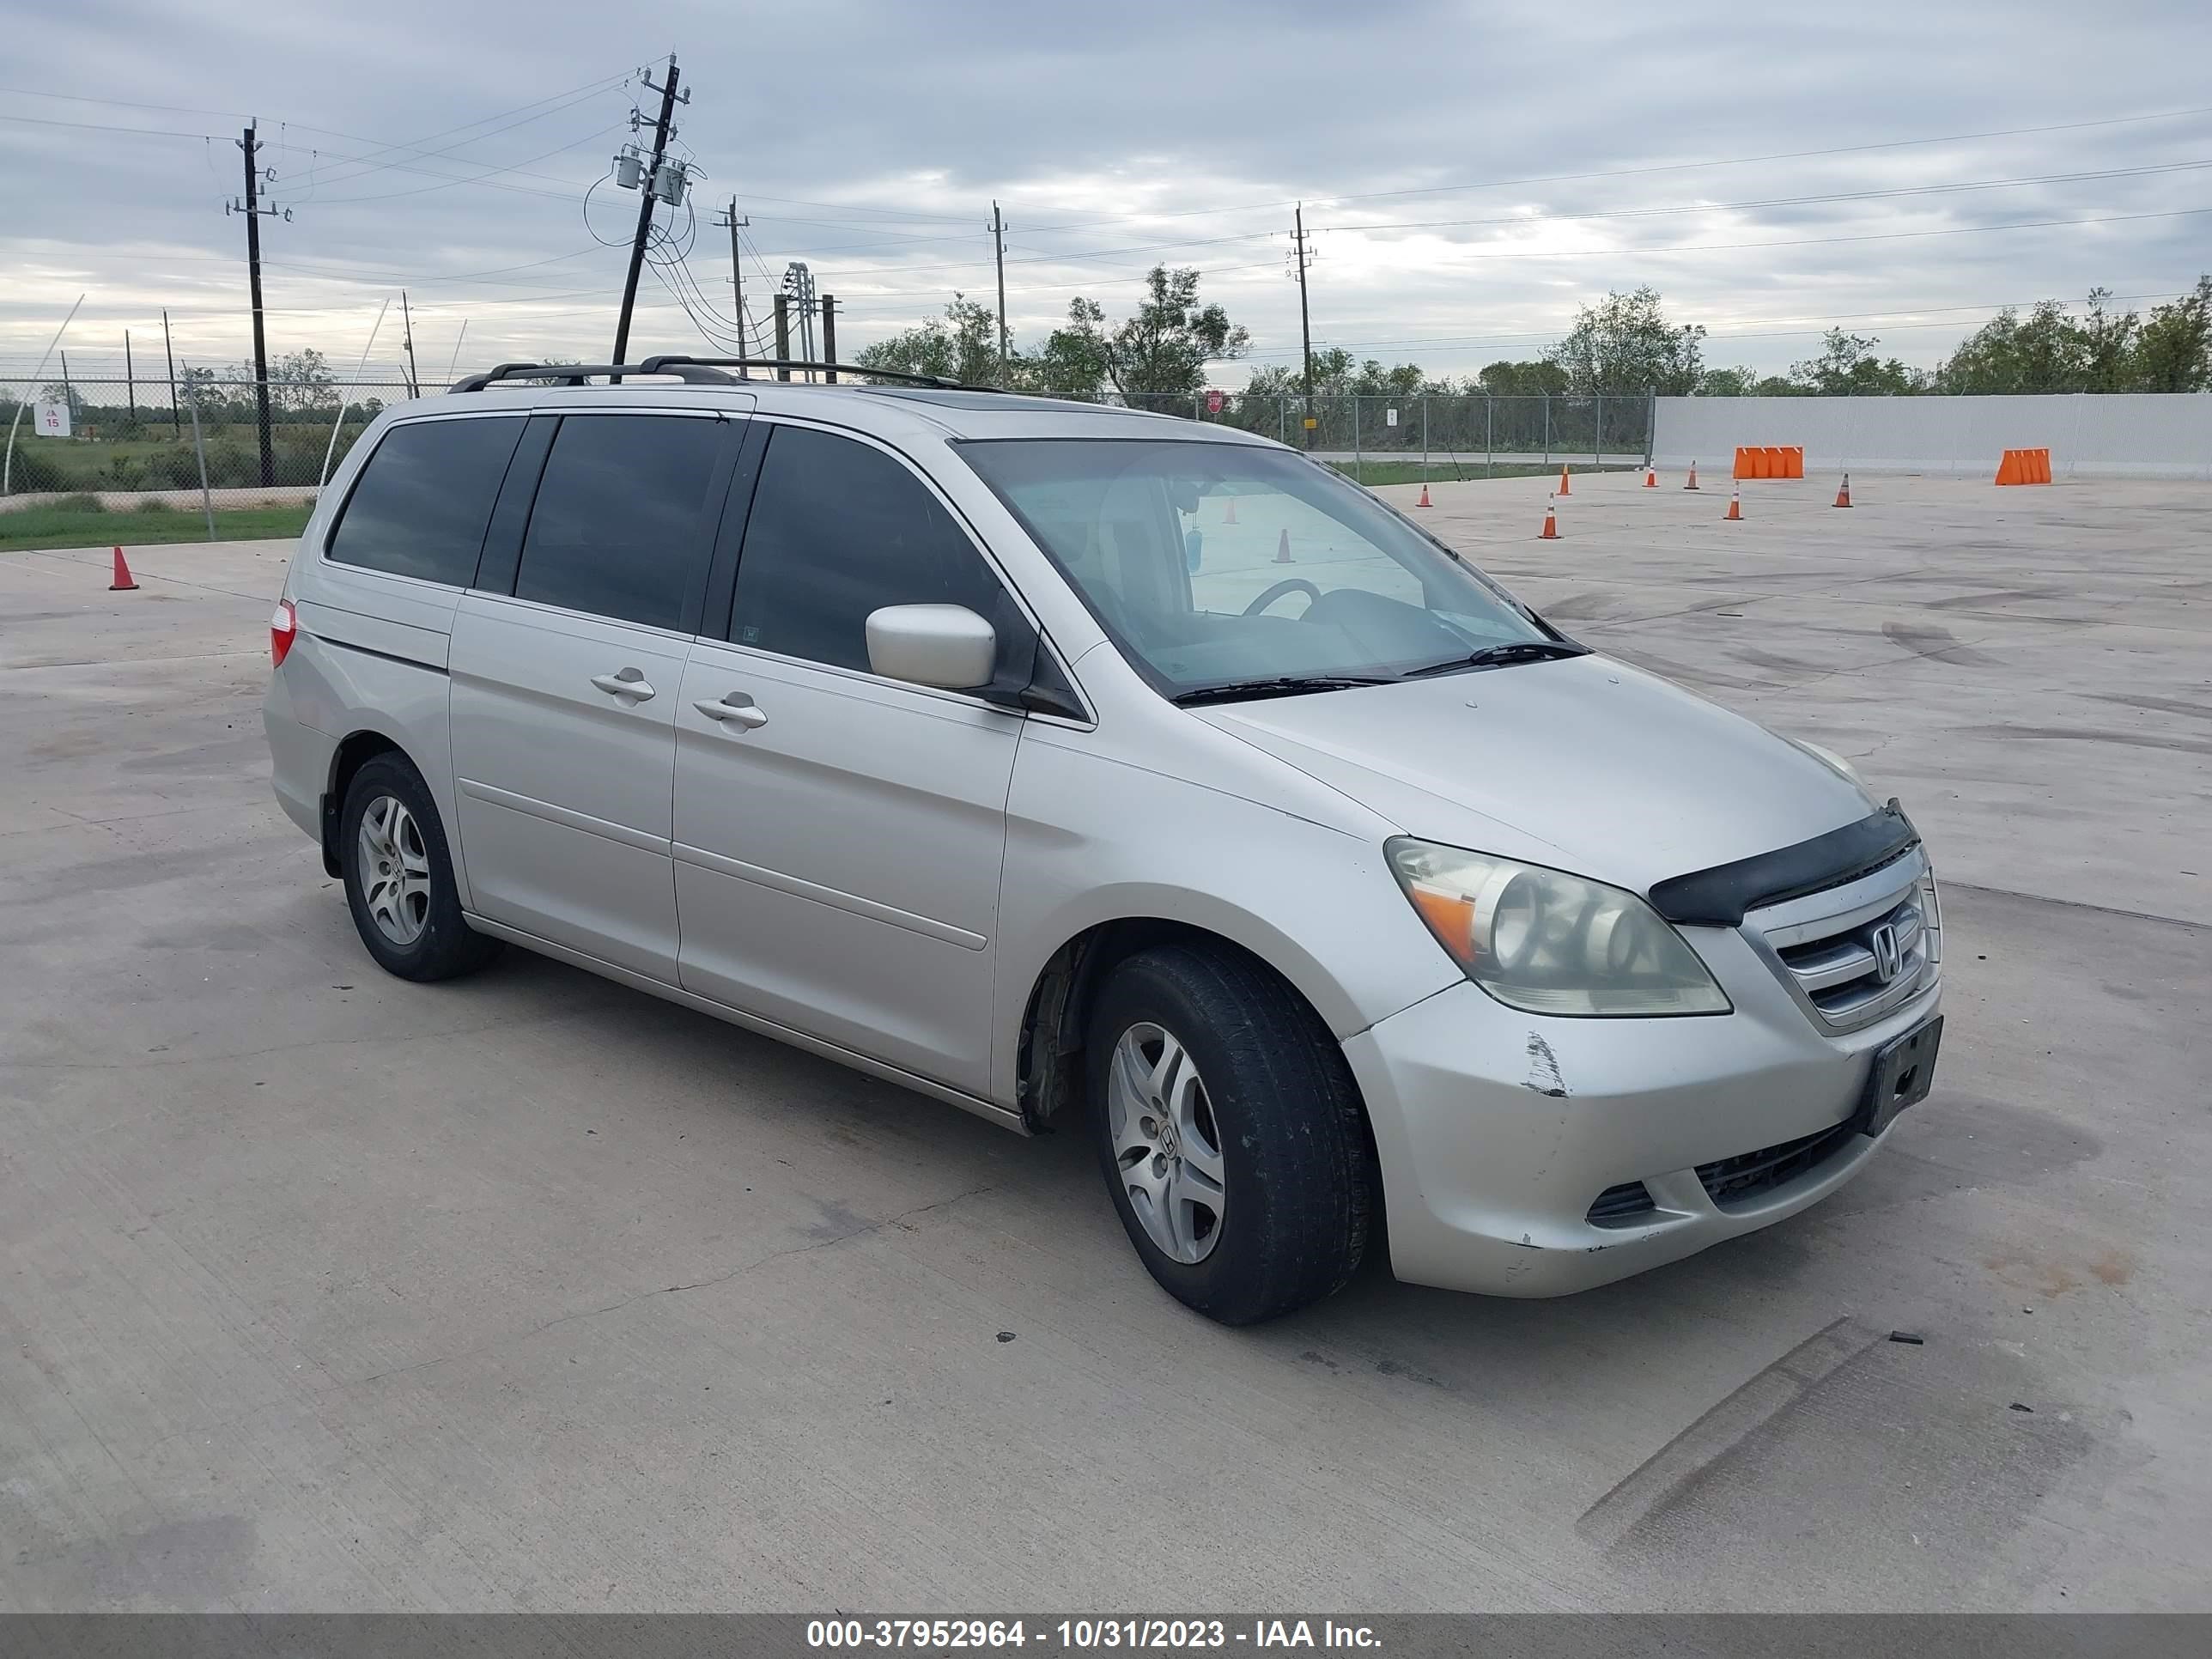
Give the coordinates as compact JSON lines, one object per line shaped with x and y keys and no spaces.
{"x":1230,"y":1132}
{"x":399,"y":877}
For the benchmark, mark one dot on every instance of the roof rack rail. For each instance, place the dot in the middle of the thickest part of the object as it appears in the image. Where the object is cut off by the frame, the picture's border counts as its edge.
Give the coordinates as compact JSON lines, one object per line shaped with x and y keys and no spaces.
{"x":668,"y":365}
{"x":576,"y":374}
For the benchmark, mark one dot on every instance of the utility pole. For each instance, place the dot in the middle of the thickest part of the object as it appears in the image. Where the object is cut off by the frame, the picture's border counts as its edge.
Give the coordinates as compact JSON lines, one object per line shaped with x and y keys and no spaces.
{"x":253,"y":211}
{"x":407,"y":338}
{"x":733,"y":224}
{"x":176,"y":419}
{"x":1303,"y":256}
{"x":129,"y":381}
{"x":783,"y":334}
{"x":798,"y":285}
{"x":647,"y":193}
{"x":998,"y":245}
{"x":829,"y":336}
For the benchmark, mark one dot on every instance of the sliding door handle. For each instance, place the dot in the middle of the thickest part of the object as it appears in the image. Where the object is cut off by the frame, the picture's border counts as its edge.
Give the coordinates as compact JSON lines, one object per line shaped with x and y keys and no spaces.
{"x":735,"y":709}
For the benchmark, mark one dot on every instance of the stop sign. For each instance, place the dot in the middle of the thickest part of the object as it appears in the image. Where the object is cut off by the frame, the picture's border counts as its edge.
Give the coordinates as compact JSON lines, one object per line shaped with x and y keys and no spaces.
{"x":1213,"y":401}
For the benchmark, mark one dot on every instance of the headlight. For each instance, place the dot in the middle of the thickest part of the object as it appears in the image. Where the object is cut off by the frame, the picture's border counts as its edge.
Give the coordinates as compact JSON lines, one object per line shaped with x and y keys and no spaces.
{"x":1549,"y":943}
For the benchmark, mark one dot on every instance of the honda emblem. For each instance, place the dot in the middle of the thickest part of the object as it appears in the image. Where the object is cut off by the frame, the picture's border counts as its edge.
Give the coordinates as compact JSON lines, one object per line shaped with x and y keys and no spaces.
{"x":1888,"y":959}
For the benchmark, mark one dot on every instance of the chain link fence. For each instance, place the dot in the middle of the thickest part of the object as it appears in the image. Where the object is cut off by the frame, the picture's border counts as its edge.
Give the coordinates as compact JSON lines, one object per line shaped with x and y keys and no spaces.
{"x":1472,"y":434}
{"x":130,"y":438}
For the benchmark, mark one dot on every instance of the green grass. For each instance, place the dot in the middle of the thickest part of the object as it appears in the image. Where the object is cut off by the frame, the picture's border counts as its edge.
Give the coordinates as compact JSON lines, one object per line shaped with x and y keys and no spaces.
{"x":64,"y":527}
{"x":155,"y":460}
{"x":1397,"y":472}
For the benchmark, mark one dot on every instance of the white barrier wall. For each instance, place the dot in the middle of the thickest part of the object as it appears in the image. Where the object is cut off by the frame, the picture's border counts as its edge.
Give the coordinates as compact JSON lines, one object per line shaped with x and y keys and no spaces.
{"x":2117,"y":435}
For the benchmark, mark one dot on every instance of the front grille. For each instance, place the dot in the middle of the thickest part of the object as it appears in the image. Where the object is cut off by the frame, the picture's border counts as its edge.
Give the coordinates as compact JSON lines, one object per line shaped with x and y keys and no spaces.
{"x":1621,"y":1205}
{"x":1747,"y":1175}
{"x":1877,"y":946}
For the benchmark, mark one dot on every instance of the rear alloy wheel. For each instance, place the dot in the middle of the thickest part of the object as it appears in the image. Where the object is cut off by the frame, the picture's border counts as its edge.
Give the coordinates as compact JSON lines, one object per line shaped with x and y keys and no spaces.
{"x":400,"y":875}
{"x":395,"y":869}
{"x":1230,"y":1132}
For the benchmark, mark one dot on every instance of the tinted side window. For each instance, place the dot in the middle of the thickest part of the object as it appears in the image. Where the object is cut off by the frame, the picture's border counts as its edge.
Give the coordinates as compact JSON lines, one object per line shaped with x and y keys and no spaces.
{"x":616,"y":528}
{"x":838,"y":530}
{"x":421,"y":503}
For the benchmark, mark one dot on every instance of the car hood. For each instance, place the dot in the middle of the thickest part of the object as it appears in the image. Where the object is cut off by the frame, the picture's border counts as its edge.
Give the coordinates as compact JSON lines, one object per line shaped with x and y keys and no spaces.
{"x":1585,"y":764}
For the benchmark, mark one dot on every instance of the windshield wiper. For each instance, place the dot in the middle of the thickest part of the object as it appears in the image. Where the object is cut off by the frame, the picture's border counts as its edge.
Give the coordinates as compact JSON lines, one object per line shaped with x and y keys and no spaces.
{"x":1285,"y":685}
{"x":1498,"y":656}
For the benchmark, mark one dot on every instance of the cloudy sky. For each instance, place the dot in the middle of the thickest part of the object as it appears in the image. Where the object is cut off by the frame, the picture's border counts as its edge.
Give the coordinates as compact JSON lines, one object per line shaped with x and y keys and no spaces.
{"x":1474,"y":170}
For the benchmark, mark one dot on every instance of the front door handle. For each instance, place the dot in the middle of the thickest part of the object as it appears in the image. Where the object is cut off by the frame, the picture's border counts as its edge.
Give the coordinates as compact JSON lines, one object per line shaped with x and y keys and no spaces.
{"x":735,"y":709}
{"x":624,"y":683}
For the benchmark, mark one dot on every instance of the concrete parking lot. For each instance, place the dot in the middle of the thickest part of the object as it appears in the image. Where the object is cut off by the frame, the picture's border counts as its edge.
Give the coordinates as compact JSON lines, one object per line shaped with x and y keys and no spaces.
{"x":319,"y":1289}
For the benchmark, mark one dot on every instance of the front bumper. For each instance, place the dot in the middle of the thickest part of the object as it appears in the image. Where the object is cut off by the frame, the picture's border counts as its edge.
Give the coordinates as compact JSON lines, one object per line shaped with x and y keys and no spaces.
{"x":1496,"y":1130}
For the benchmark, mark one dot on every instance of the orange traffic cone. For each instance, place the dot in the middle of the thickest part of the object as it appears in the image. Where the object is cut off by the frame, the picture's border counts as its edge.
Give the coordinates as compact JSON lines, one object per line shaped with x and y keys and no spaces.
{"x":1424,"y":502}
{"x":1650,"y":478}
{"x":1550,"y":533}
{"x":122,"y":584}
{"x":1230,"y":517}
{"x":1843,"y":495}
{"x":1736,"y":506}
{"x":1693,"y":484}
{"x":1283,"y":547}
{"x":1565,"y":489}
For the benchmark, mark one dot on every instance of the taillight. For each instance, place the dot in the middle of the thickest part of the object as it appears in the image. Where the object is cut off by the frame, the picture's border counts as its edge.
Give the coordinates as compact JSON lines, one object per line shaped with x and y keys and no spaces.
{"x":283,"y":628}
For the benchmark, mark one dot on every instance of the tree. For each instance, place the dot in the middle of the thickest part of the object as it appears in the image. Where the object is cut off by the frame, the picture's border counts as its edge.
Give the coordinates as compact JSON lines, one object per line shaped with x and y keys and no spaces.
{"x":1848,"y":367}
{"x":1725,"y":383}
{"x":1523,"y":379}
{"x":195,"y":388}
{"x":2174,"y":350}
{"x":300,"y":381}
{"x":1337,"y":375}
{"x":2046,"y":351}
{"x":1624,"y":343}
{"x":961,"y":345}
{"x":2108,"y":344}
{"x":1162,"y":350}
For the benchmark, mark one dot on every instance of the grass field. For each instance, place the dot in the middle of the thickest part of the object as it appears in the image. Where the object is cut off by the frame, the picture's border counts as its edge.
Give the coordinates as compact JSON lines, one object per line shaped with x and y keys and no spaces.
{"x":68,"y":526}
{"x":156,"y":460}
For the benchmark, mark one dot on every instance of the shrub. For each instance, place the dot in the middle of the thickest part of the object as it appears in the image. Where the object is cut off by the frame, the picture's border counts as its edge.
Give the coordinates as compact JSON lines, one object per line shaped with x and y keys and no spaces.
{"x":228,"y":467}
{"x":80,"y":502}
{"x":31,"y":470}
{"x":153,"y":504}
{"x":179,"y":467}
{"x":125,"y":471}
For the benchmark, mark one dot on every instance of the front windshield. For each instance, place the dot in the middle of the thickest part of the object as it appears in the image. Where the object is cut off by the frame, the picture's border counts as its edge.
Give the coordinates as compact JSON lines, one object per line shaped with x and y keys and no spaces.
{"x":1215,"y":564}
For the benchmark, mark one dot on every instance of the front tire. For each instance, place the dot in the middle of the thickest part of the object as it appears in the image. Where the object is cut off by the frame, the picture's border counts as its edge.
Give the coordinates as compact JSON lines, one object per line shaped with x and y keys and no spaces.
{"x":1229,"y":1132}
{"x":399,"y":877}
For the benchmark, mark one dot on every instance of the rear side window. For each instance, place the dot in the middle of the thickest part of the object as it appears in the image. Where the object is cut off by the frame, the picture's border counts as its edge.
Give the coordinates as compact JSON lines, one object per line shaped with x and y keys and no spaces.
{"x":421,"y":503}
{"x":617,"y":529}
{"x":838,"y":530}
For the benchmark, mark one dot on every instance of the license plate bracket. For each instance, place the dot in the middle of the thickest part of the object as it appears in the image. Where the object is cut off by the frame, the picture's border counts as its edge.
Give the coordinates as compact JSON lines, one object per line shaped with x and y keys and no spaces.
{"x":1903,"y":1072}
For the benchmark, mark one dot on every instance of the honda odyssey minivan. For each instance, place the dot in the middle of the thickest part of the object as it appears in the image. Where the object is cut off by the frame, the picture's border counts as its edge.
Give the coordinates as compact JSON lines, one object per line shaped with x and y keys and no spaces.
{"x":1103,"y":771}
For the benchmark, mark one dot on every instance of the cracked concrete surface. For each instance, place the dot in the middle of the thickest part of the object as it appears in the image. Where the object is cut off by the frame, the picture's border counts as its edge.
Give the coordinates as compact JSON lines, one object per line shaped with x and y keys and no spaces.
{"x":322,"y":1291}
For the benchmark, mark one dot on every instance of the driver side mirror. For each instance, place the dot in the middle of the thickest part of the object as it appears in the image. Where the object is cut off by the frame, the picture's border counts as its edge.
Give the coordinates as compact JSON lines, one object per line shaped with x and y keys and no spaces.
{"x":946,"y":645}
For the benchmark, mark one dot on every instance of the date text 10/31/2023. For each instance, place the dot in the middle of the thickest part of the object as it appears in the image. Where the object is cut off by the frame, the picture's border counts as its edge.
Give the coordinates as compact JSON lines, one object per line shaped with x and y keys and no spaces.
{"x":947,"y":1635}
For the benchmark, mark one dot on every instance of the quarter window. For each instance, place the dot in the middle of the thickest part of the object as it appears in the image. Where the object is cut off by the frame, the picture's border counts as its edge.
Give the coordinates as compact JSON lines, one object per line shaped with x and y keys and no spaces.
{"x":618,"y":526}
{"x":422,"y":501}
{"x":838,"y":530}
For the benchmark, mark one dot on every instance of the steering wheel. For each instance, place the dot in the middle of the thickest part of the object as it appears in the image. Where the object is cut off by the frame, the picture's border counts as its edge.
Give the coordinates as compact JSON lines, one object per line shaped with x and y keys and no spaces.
{"x":1288,"y":584}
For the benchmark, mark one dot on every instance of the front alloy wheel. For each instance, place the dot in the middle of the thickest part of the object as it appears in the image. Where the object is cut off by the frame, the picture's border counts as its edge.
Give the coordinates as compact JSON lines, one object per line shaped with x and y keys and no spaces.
{"x":1166,"y":1142}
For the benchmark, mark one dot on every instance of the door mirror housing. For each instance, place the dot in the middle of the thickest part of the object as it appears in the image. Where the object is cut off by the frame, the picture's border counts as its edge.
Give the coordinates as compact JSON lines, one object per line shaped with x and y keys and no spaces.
{"x":946,"y":645}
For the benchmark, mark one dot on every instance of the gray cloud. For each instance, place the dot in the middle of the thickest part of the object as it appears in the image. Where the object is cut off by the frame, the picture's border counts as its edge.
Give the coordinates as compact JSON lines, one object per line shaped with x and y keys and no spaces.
{"x":870,"y":139}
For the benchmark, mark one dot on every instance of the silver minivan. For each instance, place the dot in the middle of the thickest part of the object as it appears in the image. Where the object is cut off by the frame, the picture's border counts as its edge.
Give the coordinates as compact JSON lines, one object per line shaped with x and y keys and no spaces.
{"x":1095,"y":769}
